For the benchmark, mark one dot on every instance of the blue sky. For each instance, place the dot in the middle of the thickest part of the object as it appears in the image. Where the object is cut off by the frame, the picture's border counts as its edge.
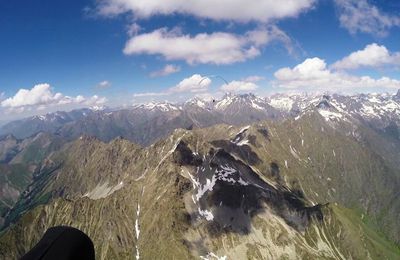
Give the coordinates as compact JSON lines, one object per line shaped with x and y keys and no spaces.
{"x":67,"y":54}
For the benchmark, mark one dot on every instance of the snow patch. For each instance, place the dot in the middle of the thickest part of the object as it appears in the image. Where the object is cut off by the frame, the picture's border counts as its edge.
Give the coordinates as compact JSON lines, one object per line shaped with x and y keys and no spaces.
{"x":254,"y":105}
{"x":243,"y":142}
{"x":294,"y":152}
{"x":212,"y":256}
{"x":224,"y":103}
{"x":242,"y":182}
{"x":207,"y":214}
{"x":282,"y":103}
{"x":238,"y":138}
{"x":329,"y":115}
{"x":137,"y":231}
{"x":206,"y":187}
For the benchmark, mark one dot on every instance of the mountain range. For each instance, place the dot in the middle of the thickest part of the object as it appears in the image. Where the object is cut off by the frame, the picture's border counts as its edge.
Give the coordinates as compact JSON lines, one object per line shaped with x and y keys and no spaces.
{"x":242,"y":177}
{"x":146,"y":123}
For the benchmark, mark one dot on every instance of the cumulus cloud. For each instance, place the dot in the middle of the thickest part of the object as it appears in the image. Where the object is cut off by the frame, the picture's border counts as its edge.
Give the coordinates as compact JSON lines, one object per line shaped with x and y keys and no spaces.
{"x":362,"y":16}
{"x":239,"y":86}
{"x":104,"y":84}
{"x":41,"y":97}
{"x":313,"y":74}
{"x":38,"y":95}
{"x":167,"y":70}
{"x":240,"y":10}
{"x":373,"y":55}
{"x":215,"y":48}
{"x":195,"y":83}
{"x":199,"y":86}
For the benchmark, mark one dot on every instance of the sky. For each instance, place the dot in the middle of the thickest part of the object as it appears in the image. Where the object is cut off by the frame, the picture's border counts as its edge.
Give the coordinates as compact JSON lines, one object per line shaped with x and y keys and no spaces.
{"x":61,"y":55}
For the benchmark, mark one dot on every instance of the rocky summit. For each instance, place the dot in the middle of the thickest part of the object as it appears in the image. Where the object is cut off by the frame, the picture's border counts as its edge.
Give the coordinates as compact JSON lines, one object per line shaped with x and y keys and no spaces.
{"x":243,"y":177}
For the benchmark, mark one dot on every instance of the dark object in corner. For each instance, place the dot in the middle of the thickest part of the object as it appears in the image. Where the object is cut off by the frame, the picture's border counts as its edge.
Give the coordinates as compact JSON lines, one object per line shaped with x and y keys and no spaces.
{"x":62,"y":243}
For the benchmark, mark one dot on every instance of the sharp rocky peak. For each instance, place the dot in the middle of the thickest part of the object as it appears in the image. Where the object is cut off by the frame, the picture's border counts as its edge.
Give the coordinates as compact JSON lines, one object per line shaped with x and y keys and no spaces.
{"x":398,"y":94}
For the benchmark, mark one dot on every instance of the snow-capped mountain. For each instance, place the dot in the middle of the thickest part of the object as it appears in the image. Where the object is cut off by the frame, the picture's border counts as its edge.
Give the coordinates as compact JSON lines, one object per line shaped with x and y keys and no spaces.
{"x":231,"y":101}
{"x":377,"y":110}
{"x":200,"y":103}
{"x":374,"y":108}
{"x":158,"y":106}
{"x":243,"y":109}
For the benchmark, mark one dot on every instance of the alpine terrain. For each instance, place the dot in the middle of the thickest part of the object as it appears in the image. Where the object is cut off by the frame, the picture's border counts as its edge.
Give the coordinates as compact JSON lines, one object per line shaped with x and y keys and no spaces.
{"x":242,"y":177}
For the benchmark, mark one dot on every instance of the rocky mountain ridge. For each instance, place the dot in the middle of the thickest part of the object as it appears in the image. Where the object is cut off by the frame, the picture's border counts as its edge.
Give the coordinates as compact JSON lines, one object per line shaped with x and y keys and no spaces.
{"x":146,"y":123}
{"x":274,"y":189}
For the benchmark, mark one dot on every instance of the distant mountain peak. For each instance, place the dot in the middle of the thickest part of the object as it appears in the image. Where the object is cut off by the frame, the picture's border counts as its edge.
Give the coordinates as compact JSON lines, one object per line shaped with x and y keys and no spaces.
{"x":249,"y":100}
{"x":98,"y":108}
{"x":324,"y":103}
{"x":196,"y":101}
{"x":161,"y":106}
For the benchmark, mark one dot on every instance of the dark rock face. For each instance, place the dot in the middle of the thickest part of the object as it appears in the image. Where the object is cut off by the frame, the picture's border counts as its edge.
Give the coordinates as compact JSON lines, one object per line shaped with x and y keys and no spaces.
{"x":243,"y":151}
{"x":184,"y":156}
{"x":327,"y":97}
{"x":234,"y":206}
{"x":275,"y":170}
{"x":265,"y":133}
{"x":324,"y":104}
{"x":234,"y":194}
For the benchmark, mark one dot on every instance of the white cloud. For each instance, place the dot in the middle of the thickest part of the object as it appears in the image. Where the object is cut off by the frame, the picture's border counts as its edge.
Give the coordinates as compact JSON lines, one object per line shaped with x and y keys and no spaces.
{"x":253,"y":78}
{"x":238,"y":10}
{"x":150,"y":94}
{"x":373,"y":55}
{"x":263,"y":36}
{"x":38,"y":95}
{"x":361,"y":16}
{"x":41,"y":97}
{"x":167,"y":70}
{"x":133,"y":29}
{"x":239,"y":86}
{"x":313,"y":74}
{"x":104,"y":84}
{"x":216,"y":48}
{"x":206,"y":96}
{"x":92,"y":101}
{"x":195,"y":83}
